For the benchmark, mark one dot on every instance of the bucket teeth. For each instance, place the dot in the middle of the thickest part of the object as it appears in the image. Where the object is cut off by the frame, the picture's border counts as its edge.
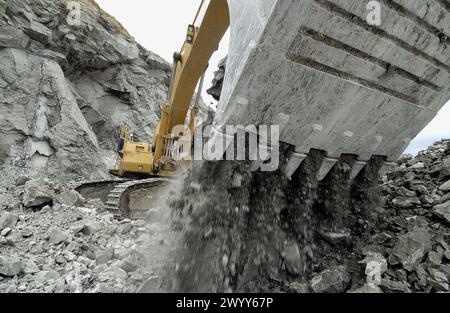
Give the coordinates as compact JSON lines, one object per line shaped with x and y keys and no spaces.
{"x":294,"y":163}
{"x":325,"y":168}
{"x":357,"y":168}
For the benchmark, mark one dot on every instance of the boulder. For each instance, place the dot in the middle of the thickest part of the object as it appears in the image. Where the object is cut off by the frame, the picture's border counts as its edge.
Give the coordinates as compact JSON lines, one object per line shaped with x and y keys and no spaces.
{"x":412,"y":247}
{"x":29,"y":267}
{"x":9,"y":266}
{"x":37,"y":194}
{"x":445,"y":186}
{"x":442,"y":211}
{"x":91,"y":228}
{"x":8,"y":220}
{"x":102,"y":256}
{"x":391,"y":286}
{"x":69,"y":198}
{"x":57,"y":236}
{"x":335,"y":280}
{"x":12,"y":37}
{"x":405,"y":202}
{"x":45,"y":276}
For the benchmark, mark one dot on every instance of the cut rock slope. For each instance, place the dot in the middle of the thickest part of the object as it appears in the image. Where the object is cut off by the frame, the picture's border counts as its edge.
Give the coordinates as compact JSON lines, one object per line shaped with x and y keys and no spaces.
{"x":66,"y":89}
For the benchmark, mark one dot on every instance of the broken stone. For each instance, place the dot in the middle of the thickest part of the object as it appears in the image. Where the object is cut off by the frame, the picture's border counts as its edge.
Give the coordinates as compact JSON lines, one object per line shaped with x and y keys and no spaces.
{"x":9,"y":266}
{"x":335,"y":280}
{"x":8,"y":220}
{"x":69,"y":198}
{"x":57,"y":236}
{"x":438,"y":285}
{"x":412,"y":247}
{"x":335,"y":238}
{"x":405,"y":202}
{"x":91,"y":228}
{"x":443,"y":212}
{"x":391,"y":286}
{"x":445,"y":186}
{"x":102,"y":256}
{"x":45,"y":276}
{"x":292,"y":258}
{"x":36,"y":194}
{"x":402,"y":191}
{"x":5,"y":231}
{"x":447,"y":254}
{"x":26,"y":232}
{"x":297,"y":287}
{"x":435,"y":258}
{"x":12,"y":37}
{"x":367,"y":288}
{"x":30,"y":267}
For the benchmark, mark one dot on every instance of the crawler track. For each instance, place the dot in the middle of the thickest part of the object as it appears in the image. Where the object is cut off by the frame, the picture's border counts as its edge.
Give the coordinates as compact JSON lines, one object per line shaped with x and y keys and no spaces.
{"x":118,"y":201}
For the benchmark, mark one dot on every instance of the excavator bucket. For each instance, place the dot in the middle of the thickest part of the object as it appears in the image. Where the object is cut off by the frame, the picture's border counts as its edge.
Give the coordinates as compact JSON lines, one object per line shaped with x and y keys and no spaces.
{"x":346,"y":76}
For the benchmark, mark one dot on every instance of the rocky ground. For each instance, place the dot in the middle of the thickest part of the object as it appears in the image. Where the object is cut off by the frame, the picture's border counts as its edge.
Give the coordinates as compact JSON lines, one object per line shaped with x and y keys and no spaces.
{"x":59,"y":242}
{"x":53,"y":240}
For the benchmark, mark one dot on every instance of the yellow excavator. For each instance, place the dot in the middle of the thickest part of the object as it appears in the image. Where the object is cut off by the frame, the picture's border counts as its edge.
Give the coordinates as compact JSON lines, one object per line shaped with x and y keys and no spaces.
{"x":173,"y":135}
{"x":331,"y":78}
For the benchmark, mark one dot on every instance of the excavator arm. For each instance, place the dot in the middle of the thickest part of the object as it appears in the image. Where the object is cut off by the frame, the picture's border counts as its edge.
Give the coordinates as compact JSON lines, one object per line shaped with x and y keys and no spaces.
{"x":188,"y":67}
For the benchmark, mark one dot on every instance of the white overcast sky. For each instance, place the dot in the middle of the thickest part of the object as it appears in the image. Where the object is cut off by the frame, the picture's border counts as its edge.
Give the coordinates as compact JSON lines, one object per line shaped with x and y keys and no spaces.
{"x":160,"y":26}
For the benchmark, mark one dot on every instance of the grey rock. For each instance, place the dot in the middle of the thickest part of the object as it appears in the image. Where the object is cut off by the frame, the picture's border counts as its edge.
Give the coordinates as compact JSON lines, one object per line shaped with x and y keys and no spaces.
{"x":405,"y":202}
{"x":335,"y":238}
{"x":402,"y":191}
{"x":8,"y":220}
{"x":118,"y":273}
{"x":44,"y":276}
{"x":335,"y":280}
{"x":292,"y":258}
{"x":412,"y":247}
{"x":9,"y":266}
{"x":439,"y":285}
{"x":69,"y":198}
{"x":91,"y":227}
{"x":367,"y":288}
{"x":5,"y":231}
{"x":443,"y":212}
{"x":12,"y":37}
{"x":57,"y":236}
{"x":297,"y":287}
{"x":435,"y":258}
{"x":29,"y":267}
{"x":36,"y":194}
{"x":26,"y":232}
{"x":445,"y":186}
{"x":391,"y":286}
{"x":447,"y":254}
{"x":151,"y":285}
{"x":102,"y":256}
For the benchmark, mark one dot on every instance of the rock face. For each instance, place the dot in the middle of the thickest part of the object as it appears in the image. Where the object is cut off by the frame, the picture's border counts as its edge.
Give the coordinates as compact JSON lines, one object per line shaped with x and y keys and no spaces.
{"x":66,"y":87}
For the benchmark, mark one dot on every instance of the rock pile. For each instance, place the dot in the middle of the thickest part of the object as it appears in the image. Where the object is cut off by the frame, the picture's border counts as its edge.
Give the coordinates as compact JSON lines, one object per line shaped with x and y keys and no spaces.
{"x":68,"y":244}
{"x":412,"y":230}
